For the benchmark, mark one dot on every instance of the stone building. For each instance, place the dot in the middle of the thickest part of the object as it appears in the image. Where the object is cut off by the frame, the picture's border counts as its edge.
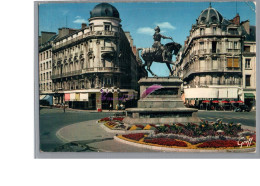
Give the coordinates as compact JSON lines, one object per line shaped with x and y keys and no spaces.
{"x":96,"y":65}
{"x":210,"y":63}
{"x":45,"y":67}
{"x":249,"y":65}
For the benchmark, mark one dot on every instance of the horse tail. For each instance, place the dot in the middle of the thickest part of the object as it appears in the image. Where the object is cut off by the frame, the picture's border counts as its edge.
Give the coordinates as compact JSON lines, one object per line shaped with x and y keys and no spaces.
{"x":137,"y":54}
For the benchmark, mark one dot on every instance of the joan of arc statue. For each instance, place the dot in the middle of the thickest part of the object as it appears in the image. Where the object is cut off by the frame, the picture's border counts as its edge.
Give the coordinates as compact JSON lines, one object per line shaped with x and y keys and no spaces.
{"x":157,"y":41}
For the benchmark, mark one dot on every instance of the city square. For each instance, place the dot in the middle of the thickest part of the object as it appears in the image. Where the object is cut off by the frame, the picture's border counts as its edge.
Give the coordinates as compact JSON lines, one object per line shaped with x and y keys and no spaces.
{"x":190,"y":93}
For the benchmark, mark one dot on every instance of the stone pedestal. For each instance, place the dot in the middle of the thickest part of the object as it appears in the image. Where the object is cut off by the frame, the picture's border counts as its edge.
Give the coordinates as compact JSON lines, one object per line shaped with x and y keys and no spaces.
{"x":160,"y":103}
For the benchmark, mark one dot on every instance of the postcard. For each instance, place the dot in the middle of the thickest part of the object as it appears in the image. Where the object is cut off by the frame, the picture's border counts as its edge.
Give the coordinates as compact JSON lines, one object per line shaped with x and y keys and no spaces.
{"x":147,"y":77}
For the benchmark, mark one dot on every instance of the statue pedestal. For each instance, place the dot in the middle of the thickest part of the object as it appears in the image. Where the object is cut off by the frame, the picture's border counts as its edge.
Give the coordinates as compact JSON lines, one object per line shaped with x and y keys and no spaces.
{"x":160,"y":103}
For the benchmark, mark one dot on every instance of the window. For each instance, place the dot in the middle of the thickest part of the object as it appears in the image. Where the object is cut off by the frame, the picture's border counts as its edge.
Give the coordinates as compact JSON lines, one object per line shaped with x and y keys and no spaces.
{"x":41,"y":78}
{"x":47,"y":77}
{"x":230,"y":45}
{"x":47,"y":54}
{"x":50,"y":75}
{"x":214,"y":46}
{"x":50,"y":86}
{"x":246,"y":48}
{"x":248,"y":78}
{"x":235,"y":45}
{"x":201,"y":45}
{"x":214,"y":30}
{"x":232,"y":31}
{"x":43,"y":66}
{"x":202,"y":31}
{"x":107,"y":27}
{"x":233,"y":62}
{"x":247,"y":64}
{"x":44,"y":76}
{"x":47,"y":86}
{"x":46,"y":65}
{"x":229,"y":62}
{"x":236,"y":62}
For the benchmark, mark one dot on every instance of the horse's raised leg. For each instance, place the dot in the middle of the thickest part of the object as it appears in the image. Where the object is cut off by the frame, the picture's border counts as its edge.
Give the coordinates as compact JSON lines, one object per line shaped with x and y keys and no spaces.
{"x":169,"y":67}
{"x":149,"y":63}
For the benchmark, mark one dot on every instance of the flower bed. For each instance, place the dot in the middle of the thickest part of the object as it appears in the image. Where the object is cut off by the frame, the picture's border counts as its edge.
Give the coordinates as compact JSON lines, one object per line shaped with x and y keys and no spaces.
{"x":135,"y":137}
{"x":118,"y":119}
{"x":221,"y":143}
{"x":166,"y":142}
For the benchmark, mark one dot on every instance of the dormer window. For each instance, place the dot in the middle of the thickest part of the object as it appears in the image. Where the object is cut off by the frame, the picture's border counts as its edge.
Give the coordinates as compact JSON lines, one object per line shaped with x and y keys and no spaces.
{"x":214,"y":19}
{"x":107,"y":26}
{"x":203,"y":19}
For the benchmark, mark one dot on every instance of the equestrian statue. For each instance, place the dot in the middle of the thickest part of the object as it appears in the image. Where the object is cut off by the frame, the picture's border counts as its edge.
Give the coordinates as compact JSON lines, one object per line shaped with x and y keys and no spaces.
{"x":159,"y":53}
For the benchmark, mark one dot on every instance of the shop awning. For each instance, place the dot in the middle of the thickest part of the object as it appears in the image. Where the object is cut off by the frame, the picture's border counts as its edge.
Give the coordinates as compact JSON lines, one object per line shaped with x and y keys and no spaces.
{"x":249,"y":95}
{"x":42,"y":97}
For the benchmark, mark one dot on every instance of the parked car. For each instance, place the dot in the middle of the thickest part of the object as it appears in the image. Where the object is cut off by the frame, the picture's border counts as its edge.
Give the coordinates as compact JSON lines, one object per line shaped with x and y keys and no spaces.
{"x":242,"y":108}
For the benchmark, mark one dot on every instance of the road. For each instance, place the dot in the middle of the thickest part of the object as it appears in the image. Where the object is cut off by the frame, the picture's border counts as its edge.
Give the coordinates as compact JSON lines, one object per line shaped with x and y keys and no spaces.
{"x":245,"y":118}
{"x":51,"y":120}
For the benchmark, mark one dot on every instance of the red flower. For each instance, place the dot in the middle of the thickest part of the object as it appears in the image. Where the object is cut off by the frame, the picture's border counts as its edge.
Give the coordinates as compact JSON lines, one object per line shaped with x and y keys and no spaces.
{"x":135,"y":137}
{"x":166,"y":142}
{"x":220,"y":143}
{"x":118,"y":119}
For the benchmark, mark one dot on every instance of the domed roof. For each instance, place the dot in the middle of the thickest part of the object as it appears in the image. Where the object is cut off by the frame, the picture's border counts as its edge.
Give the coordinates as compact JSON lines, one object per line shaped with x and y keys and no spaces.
{"x":104,"y":10}
{"x":210,"y":15}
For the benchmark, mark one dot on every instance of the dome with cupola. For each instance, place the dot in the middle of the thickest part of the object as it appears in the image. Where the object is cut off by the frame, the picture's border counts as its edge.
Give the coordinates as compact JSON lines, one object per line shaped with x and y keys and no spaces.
{"x":104,"y":10}
{"x":209,"y":16}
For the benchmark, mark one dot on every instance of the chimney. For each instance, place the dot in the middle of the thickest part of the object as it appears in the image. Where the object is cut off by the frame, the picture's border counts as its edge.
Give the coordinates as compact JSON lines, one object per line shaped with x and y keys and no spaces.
{"x":83,"y":25}
{"x":134,"y":50}
{"x":236,"y":19}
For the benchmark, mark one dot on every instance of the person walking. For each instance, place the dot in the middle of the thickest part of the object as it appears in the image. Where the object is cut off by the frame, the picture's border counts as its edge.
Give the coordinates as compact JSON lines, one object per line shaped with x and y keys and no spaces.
{"x":110,"y":107}
{"x":64,"y":106}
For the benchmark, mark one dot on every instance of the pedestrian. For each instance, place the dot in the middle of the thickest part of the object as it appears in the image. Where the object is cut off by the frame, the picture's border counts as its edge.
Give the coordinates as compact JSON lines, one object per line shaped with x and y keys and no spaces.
{"x":122,"y":106}
{"x":117,"y":106}
{"x":64,"y":106}
{"x":110,"y":106}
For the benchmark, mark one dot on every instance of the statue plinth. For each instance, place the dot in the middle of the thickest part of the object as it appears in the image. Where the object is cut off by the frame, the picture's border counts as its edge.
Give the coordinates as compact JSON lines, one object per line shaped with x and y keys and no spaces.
{"x":160,"y":103}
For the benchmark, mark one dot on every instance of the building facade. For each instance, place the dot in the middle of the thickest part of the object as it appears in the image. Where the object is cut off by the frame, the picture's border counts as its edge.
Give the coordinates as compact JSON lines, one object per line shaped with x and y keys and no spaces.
{"x":45,"y":67}
{"x":249,"y":65}
{"x":211,"y":61}
{"x":95,"y":67}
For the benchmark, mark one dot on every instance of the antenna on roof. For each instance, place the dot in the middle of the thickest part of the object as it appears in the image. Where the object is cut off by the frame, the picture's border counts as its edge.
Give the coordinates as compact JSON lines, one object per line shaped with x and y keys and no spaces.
{"x":210,"y":4}
{"x":236,"y":7}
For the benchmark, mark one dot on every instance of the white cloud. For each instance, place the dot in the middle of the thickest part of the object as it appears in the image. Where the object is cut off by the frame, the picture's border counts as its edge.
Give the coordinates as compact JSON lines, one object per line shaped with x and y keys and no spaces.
{"x":145,"y":30}
{"x":79,"y":20}
{"x":165,"y":25}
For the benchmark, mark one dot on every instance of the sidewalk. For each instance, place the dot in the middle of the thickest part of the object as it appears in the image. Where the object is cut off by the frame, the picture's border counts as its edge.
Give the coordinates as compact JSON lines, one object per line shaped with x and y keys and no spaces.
{"x":91,"y":134}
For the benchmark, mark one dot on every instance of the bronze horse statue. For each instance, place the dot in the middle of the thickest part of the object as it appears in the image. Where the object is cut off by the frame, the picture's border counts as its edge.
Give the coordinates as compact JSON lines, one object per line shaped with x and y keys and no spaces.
{"x":151,"y":55}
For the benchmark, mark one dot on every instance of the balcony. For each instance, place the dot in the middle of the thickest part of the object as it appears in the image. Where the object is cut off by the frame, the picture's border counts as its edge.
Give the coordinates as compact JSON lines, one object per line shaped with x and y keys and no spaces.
{"x":103,"y":69}
{"x":107,"y":49}
{"x":233,"y":50}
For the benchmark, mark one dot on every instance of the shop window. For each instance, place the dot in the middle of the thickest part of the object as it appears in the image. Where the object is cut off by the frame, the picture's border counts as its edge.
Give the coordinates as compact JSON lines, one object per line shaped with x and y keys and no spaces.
{"x":248,"y":63}
{"x":248,"y":79}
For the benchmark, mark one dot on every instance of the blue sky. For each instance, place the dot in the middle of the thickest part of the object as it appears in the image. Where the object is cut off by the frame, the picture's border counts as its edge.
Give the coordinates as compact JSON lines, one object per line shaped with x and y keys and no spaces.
{"x":174,"y":18}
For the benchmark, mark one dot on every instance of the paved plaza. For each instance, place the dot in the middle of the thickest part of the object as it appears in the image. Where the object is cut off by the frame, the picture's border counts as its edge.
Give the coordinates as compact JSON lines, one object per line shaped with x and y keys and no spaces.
{"x":59,"y":129}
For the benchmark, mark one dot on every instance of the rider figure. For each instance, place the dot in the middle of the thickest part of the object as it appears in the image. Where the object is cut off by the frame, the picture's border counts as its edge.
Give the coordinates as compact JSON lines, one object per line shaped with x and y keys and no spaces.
{"x":157,"y":41}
